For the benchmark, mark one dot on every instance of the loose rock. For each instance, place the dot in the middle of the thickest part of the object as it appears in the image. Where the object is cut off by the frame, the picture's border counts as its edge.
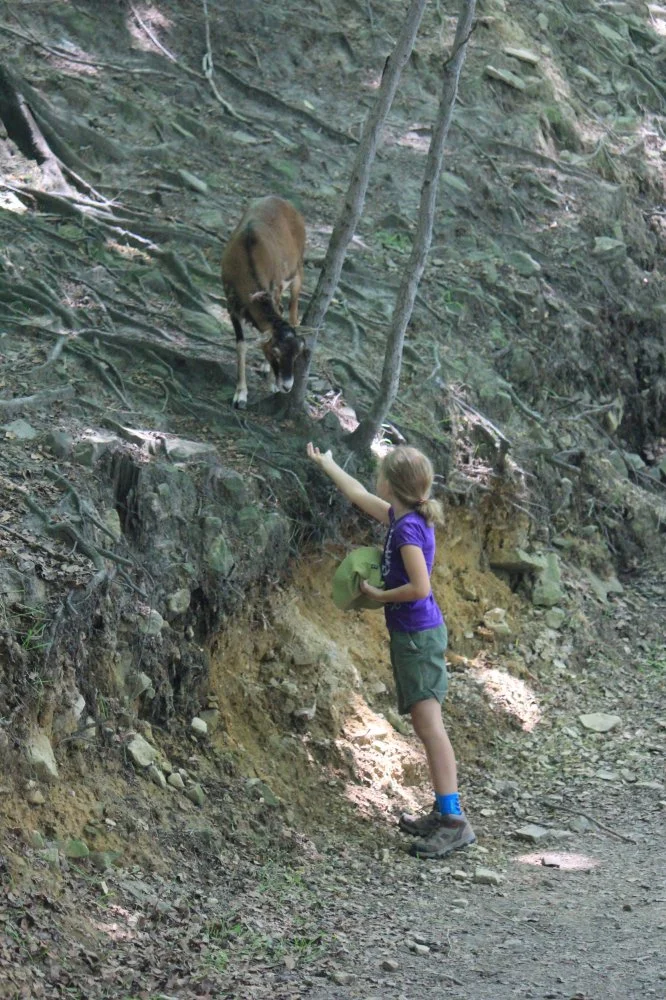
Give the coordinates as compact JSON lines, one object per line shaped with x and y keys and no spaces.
{"x":390,"y":965}
{"x":176,"y":781}
{"x":196,"y":794}
{"x":40,"y":756}
{"x":198,"y":726}
{"x":486,"y":876}
{"x":599,"y":722}
{"x":531,"y":832}
{"x":141,"y":752}
{"x":157,"y":776}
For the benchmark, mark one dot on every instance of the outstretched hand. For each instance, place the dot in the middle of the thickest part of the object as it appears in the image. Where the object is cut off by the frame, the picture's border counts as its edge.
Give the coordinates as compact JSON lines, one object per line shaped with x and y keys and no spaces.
{"x":322,"y":460}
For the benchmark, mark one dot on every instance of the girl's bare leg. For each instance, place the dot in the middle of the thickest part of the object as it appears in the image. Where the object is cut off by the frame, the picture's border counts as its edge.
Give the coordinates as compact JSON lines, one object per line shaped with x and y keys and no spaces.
{"x":429,"y":727}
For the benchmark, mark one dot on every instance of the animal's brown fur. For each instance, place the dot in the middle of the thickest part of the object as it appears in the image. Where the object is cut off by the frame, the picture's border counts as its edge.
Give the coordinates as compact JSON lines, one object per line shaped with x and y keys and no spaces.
{"x":263,"y":257}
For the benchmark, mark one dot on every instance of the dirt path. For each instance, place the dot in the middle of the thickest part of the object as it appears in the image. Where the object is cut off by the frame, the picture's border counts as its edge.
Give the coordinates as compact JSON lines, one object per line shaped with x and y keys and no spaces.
{"x":589,"y":929}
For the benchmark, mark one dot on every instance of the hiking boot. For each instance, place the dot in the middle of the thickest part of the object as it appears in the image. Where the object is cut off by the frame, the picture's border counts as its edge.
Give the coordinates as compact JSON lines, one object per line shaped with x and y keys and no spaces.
{"x":450,"y":834}
{"x":420,"y":826}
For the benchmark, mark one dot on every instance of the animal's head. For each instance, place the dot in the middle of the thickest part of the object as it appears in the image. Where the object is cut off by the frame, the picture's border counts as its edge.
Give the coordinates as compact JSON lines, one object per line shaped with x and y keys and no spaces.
{"x":281,"y":351}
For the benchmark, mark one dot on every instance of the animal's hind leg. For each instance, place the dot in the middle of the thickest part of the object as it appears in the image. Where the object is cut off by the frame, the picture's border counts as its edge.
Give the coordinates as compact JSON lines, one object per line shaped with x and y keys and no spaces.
{"x":295,"y":291}
{"x":240,"y":395}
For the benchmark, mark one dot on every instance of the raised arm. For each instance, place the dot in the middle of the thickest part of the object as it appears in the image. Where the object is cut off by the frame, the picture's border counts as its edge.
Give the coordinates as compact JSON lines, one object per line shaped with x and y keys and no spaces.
{"x":350,"y":487}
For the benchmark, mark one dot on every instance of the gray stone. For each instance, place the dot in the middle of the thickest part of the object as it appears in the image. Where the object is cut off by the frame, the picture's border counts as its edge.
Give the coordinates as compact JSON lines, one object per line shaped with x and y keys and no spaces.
{"x":517,"y":560}
{"x":211,"y":717}
{"x":495,"y":620}
{"x":35,"y":797}
{"x":176,"y":781}
{"x":74,"y":848}
{"x":20,"y":430}
{"x":193,"y":182}
{"x":60,"y":443}
{"x":633,"y":460}
{"x":196,"y":794}
{"x":542,"y":21}
{"x":220,"y":558}
{"x":341,"y":978}
{"x":531,"y":832}
{"x":602,"y":588}
{"x":505,"y":76}
{"x":547,"y":590}
{"x":52,"y":856}
{"x":390,"y":965}
{"x":486,"y":876}
{"x":141,"y":752}
{"x":261,"y":790}
{"x":152,"y":623}
{"x":111,"y":520}
{"x":605,"y":246}
{"x":40,"y":756}
{"x":523,"y":263}
{"x":90,"y":449}
{"x":156,"y":776}
{"x":182,"y":450}
{"x":142,"y":684}
{"x":555,"y":618}
{"x":523,"y":55}
{"x":198,"y":727}
{"x":179,"y":601}
{"x":599,"y":722}
{"x":420,"y":949}
{"x":580,"y":825}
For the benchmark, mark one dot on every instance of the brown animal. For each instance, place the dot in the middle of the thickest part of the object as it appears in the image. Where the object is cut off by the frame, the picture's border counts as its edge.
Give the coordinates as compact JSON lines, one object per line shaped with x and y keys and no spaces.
{"x":264,"y":257}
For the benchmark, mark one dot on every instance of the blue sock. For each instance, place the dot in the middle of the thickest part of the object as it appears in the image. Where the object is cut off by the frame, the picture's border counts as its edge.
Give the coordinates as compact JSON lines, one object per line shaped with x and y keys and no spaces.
{"x":449,"y":805}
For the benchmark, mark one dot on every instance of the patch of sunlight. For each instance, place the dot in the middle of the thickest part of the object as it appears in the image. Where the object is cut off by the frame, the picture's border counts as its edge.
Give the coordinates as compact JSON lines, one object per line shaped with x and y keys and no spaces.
{"x":127,"y":251}
{"x":511,"y":694}
{"x":143,"y":24}
{"x":72,"y":59}
{"x":333,"y":402}
{"x":116,"y":931}
{"x":564,"y":860}
{"x":658,"y":18}
{"x":415,"y":140}
{"x":10,"y":203}
{"x":374,"y":82}
{"x":388,"y":769}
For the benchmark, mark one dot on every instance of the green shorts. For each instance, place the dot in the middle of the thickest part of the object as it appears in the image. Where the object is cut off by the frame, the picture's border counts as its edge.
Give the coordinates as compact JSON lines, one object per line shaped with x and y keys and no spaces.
{"x":419,"y":667}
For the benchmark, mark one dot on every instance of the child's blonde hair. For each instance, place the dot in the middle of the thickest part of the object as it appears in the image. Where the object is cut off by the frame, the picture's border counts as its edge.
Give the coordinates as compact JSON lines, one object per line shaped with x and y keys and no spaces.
{"x":410,"y":475}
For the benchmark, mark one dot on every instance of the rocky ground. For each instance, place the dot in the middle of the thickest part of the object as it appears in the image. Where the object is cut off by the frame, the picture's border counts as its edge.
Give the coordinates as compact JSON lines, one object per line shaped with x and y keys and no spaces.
{"x":563,"y":895}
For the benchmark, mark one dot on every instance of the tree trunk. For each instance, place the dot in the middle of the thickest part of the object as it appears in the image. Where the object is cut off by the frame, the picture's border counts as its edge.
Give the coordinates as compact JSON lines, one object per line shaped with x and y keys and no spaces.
{"x":354,"y":200}
{"x":365,"y":433}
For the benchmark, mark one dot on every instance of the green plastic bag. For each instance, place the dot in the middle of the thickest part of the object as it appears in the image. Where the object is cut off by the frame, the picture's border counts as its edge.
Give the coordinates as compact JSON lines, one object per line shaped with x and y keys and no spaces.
{"x":361,"y":564}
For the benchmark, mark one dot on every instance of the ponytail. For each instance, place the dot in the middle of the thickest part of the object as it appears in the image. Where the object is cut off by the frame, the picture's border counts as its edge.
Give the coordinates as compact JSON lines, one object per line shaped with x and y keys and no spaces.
{"x":431,"y":511}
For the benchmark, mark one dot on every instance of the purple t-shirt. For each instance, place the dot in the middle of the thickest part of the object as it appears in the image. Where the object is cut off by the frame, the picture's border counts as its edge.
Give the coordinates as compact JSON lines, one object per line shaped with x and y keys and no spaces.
{"x":408,"y":616}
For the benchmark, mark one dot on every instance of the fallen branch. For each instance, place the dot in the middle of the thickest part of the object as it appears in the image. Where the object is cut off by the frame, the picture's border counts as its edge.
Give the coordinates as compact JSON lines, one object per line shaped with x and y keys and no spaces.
{"x":591,"y":819}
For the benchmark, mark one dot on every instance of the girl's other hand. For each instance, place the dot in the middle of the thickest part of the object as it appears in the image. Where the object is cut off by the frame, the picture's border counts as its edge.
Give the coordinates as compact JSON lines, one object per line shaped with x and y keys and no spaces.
{"x":374,"y":592}
{"x":323,"y":461}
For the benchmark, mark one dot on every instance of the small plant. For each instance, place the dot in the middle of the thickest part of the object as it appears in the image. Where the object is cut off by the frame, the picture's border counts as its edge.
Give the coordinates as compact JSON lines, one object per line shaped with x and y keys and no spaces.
{"x":398,"y":242}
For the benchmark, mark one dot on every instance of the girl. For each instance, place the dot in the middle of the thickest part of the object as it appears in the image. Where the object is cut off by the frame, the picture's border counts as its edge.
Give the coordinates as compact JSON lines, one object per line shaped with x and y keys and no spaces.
{"x":416,"y":627}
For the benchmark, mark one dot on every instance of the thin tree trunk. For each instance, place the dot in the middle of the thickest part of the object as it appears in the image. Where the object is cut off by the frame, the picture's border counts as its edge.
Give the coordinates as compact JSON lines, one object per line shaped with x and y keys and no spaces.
{"x":365,"y":433}
{"x":355,"y":198}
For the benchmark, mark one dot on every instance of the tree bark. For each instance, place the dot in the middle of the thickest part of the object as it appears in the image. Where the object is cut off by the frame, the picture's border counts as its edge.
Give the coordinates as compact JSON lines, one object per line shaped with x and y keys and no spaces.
{"x":369,"y":426}
{"x":353,"y":206}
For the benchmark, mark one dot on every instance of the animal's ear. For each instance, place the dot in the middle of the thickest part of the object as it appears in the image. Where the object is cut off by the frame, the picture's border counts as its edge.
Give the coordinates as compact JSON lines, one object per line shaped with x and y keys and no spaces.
{"x":261,"y":294}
